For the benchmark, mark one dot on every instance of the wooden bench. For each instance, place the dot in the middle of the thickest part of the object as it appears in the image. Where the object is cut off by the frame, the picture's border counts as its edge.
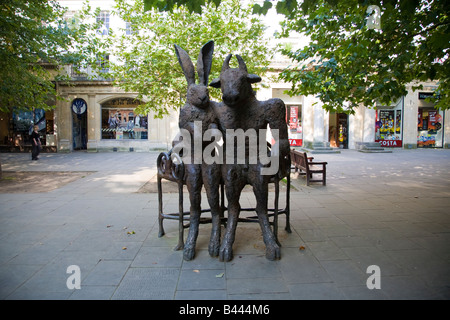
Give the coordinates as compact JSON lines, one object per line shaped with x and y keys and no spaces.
{"x":307,"y":166}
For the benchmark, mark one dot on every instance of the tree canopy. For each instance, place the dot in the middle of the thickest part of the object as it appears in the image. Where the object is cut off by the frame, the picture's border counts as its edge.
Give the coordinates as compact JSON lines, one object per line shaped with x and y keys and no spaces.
{"x":33,"y":39}
{"x":145,"y":60}
{"x":350,"y":61}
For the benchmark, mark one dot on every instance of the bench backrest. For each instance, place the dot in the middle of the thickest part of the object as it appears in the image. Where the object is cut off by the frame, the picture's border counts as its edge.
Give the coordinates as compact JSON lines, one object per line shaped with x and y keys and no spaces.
{"x":299,"y":158}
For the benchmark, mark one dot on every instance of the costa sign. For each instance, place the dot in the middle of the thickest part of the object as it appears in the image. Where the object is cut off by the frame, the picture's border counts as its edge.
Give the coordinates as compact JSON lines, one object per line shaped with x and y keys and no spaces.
{"x":295,"y":142}
{"x":390,"y":143}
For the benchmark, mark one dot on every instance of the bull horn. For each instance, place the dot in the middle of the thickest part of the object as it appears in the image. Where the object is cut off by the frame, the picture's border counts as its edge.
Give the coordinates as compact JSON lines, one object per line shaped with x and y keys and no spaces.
{"x":242,"y":64}
{"x":226,"y":63}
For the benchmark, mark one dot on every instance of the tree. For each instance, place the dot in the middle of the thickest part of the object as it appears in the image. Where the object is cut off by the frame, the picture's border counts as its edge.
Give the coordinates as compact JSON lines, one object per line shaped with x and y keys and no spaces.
{"x":145,"y":60}
{"x":350,"y":61}
{"x":33,"y":37}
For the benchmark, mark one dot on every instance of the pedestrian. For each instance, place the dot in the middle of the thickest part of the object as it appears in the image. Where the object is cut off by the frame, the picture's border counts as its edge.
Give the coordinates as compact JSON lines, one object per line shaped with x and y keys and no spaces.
{"x":36,"y":143}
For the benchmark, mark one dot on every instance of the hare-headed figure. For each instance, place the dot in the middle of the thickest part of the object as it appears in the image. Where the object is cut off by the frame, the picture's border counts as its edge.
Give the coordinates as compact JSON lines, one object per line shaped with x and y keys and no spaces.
{"x":198,"y":109}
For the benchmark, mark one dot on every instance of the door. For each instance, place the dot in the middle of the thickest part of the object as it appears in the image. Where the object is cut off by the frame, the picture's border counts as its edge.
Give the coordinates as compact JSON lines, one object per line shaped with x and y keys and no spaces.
{"x":338,"y":130}
{"x":79,"y":124}
{"x":343,"y":130}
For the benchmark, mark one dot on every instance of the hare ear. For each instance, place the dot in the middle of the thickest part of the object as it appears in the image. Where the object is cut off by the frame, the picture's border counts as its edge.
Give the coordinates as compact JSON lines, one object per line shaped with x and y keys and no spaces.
{"x":204,"y":62}
{"x":186,"y":64}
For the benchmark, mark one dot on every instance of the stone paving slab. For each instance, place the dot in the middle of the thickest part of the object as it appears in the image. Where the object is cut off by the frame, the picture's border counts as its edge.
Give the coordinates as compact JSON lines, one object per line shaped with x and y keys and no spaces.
{"x":388,"y":210}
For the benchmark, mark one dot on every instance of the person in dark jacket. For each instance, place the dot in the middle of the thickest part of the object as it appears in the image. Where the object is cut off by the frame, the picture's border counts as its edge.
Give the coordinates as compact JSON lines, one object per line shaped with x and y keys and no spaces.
{"x":36,"y":143}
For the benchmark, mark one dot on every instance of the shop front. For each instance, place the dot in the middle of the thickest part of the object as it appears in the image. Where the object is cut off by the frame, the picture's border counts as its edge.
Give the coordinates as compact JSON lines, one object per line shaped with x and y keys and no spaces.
{"x":388,"y":125}
{"x":16,"y":128}
{"x":121,"y":122}
{"x":430,"y":128}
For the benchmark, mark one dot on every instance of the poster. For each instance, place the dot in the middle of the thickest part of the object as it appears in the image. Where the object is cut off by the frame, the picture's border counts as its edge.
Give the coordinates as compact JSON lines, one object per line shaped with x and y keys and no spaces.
{"x":293,"y":118}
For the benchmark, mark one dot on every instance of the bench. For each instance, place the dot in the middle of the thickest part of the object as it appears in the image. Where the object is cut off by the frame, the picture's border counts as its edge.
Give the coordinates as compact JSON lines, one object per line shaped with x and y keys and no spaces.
{"x":171,"y":167}
{"x":307,"y":166}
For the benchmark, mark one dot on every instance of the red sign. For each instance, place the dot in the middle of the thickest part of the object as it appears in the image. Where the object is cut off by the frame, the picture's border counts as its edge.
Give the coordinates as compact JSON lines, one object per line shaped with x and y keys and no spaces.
{"x":295,"y":142}
{"x":390,"y":143}
{"x":293,"y":117}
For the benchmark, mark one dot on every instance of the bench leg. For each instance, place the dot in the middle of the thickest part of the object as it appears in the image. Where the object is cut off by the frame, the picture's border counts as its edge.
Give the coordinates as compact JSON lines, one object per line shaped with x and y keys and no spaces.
{"x":180,"y":244}
{"x":160,"y":212}
{"x":288,"y":191}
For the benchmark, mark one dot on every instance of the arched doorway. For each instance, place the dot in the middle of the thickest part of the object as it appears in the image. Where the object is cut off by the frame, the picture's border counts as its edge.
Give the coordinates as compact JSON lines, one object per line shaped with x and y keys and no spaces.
{"x":79,"y":124}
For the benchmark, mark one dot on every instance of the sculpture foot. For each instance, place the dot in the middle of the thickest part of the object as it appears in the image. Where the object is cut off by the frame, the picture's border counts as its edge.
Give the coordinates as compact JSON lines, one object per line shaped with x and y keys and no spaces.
{"x":273,"y":252}
{"x":214,"y":248}
{"x":226,"y":254}
{"x":189,"y":253}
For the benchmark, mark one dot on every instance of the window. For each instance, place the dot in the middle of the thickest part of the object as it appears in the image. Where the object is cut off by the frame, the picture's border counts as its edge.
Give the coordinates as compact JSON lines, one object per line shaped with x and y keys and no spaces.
{"x":129,"y":29}
{"x":23,"y":122}
{"x":104,"y":18}
{"x":120,"y":122}
{"x":429,"y":128}
{"x":72,"y":19}
{"x":103,"y":63}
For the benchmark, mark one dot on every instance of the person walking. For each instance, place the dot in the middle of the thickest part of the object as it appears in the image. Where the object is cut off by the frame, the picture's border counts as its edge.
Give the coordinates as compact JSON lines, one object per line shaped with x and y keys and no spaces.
{"x":36,"y":143}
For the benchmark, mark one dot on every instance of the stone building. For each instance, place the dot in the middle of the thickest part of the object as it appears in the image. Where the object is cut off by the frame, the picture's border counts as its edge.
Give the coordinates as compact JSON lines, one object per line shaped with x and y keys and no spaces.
{"x":97,"y":116}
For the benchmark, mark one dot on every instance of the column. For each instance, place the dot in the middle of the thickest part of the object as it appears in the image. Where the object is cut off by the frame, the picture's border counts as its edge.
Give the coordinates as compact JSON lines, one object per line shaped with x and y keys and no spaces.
{"x":369,"y":125}
{"x":308,"y":121}
{"x":446,"y":142}
{"x":411,"y":110}
{"x":355,"y":127}
{"x":93,"y":123}
{"x":319,"y":127}
{"x":63,"y":115}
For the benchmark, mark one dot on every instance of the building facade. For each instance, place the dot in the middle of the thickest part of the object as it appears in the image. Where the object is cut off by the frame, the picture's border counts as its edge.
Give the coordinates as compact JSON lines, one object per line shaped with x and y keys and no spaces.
{"x":410,"y":123}
{"x":98,"y":116}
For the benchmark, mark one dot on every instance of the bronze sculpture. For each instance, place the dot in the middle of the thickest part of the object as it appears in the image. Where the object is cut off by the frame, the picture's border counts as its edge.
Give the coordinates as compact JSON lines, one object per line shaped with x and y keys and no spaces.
{"x":232,"y":165}
{"x":241,"y":109}
{"x":199,"y":108}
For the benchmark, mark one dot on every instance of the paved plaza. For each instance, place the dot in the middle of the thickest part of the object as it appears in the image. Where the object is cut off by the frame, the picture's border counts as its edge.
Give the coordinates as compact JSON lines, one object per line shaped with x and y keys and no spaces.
{"x":388,"y":211}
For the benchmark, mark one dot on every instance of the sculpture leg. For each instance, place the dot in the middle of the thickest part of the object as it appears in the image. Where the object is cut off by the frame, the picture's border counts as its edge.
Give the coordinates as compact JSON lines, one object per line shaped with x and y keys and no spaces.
{"x":260,"y":189}
{"x":234,"y":183}
{"x":211,"y":180}
{"x":194,"y":185}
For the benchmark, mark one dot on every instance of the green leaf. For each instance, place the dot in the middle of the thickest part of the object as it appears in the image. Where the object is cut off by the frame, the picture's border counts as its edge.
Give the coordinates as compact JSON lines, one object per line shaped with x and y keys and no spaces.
{"x":257,"y":9}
